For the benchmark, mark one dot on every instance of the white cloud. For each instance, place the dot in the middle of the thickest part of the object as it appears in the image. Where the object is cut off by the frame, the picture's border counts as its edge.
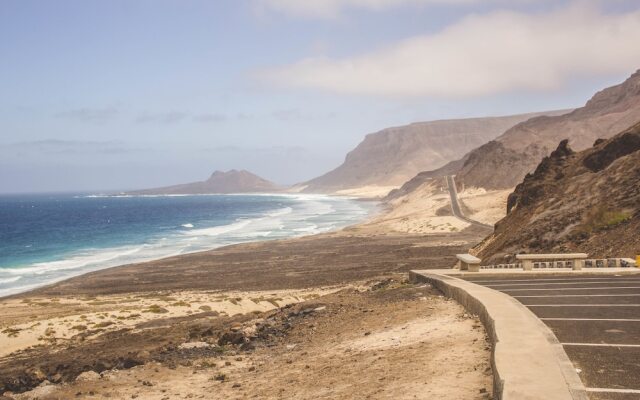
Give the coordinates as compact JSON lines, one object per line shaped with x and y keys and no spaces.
{"x":330,"y":9}
{"x":481,"y":55}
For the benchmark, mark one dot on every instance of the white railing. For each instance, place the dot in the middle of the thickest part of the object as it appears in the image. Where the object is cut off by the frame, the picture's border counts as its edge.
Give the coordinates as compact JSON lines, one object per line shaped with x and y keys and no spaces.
{"x":588,"y":263}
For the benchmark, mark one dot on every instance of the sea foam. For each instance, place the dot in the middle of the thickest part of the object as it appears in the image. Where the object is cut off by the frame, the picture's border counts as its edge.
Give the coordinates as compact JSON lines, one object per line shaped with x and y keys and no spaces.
{"x":299,"y":215}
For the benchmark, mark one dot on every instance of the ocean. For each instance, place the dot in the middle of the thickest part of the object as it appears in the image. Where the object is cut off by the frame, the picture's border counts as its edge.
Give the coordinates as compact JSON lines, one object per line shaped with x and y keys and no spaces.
{"x":47,"y":238}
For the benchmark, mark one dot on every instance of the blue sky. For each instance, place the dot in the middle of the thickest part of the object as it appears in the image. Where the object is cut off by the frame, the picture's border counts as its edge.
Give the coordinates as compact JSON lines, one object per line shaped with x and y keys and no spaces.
{"x":102,"y":95}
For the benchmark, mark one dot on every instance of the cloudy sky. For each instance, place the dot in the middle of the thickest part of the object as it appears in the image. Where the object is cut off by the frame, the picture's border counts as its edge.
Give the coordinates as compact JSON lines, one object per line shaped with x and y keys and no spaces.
{"x":119,"y":94}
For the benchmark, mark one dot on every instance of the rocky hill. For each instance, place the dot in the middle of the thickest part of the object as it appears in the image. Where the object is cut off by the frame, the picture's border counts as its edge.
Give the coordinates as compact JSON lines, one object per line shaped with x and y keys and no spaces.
{"x":232,"y":181}
{"x":394,"y":155}
{"x":587,"y":201}
{"x":504,"y":162}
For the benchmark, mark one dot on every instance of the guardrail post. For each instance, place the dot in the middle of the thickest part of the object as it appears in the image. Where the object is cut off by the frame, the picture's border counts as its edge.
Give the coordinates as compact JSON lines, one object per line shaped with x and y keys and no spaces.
{"x":578,"y":264}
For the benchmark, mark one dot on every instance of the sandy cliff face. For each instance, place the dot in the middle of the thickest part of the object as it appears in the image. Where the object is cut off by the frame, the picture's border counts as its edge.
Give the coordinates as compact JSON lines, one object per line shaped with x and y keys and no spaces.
{"x":394,"y":155}
{"x":587,"y":201}
{"x":504,"y":162}
{"x":232,"y":181}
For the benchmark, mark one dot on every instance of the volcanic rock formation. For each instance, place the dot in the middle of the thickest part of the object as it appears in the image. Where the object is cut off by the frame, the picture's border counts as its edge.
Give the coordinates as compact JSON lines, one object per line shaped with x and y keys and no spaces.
{"x":587,"y":201}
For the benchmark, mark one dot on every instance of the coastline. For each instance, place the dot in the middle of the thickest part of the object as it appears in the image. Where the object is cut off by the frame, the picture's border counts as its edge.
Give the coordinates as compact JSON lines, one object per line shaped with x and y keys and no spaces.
{"x":103,"y":328}
{"x":378,"y":226}
{"x":371,"y":212}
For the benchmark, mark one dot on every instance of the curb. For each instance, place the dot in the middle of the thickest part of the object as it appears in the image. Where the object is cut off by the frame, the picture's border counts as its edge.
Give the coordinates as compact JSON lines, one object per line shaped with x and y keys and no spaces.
{"x":527,"y":360}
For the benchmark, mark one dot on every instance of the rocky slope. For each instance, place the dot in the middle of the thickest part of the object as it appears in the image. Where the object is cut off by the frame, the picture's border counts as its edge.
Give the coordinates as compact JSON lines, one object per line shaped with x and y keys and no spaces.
{"x":587,"y":201}
{"x":232,"y":181}
{"x":394,"y":155}
{"x":504,"y":162}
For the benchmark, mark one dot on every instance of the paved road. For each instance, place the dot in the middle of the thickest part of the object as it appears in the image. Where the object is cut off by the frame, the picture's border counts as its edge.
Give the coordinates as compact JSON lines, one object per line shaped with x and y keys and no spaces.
{"x":597,"y":320}
{"x":455,"y":204}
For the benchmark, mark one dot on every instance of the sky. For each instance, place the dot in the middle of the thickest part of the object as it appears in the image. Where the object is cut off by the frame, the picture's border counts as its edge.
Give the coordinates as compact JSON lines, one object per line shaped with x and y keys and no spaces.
{"x":126,"y":94}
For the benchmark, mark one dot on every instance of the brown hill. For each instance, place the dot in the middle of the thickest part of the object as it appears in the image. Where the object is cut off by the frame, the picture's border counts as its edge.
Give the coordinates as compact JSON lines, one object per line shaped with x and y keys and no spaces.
{"x":394,"y":155}
{"x":504,"y":162}
{"x":232,"y":181}
{"x":587,"y":201}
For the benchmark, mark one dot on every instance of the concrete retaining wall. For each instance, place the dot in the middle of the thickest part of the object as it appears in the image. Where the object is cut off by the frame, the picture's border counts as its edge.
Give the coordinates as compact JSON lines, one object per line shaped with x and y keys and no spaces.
{"x":527,"y":360}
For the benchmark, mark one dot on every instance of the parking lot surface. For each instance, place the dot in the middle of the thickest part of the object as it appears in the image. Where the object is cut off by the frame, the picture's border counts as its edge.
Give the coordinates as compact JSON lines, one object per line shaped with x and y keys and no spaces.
{"x":597,"y":320}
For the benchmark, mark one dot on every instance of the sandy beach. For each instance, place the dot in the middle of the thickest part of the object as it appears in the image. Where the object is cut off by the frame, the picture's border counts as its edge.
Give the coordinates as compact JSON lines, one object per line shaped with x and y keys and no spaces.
{"x":295,"y":318}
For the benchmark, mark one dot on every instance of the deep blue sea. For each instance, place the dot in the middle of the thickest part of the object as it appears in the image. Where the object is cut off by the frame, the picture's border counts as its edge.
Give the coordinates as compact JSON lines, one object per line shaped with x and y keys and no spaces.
{"x":46,"y":238}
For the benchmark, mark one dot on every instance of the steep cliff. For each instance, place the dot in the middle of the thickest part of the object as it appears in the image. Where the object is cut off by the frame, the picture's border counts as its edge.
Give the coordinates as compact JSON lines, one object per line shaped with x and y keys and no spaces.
{"x":394,"y":155}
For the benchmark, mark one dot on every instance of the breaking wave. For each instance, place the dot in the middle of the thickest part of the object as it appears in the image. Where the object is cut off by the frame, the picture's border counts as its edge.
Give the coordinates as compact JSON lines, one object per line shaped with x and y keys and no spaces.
{"x":303,"y":215}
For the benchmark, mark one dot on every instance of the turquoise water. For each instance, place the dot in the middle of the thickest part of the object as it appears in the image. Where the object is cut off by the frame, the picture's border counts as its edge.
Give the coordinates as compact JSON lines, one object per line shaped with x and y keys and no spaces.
{"x":46,"y":238}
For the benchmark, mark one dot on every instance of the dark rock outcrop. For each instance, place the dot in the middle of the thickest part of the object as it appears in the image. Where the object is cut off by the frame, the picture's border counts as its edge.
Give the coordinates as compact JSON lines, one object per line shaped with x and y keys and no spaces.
{"x":587,"y":201}
{"x":601,"y":159}
{"x":534,"y":185}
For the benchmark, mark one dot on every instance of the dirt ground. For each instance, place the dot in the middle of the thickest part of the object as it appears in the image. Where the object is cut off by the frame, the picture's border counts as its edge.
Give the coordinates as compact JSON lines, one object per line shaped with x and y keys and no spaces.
{"x":378,"y":339}
{"x":327,"y":316}
{"x":311,"y":261}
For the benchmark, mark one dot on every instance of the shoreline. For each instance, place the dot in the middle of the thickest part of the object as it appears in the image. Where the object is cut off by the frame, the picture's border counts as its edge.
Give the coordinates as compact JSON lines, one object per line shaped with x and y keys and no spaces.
{"x":185,"y":319}
{"x":356,"y":242}
{"x":382,"y":219}
{"x":371,"y":213}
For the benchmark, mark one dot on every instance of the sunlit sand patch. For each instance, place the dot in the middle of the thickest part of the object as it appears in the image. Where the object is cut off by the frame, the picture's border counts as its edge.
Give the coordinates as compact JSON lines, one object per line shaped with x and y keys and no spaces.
{"x":92,"y":316}
{"x":485,"y":206}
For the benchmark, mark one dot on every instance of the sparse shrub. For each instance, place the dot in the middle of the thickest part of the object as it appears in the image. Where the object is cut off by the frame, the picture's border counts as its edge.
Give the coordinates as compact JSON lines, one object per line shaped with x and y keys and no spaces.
{"x":602,"y":218}
{"x":11,"y":332}
{"x":79,"y":327}
{"x":207,"y":364}
{"x":156,"y":309}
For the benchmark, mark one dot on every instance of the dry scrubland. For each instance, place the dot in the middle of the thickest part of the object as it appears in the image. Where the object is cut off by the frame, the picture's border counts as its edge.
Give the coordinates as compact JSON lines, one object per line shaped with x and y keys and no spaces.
{"x":375,"y":339}
{"x":327,"y":316}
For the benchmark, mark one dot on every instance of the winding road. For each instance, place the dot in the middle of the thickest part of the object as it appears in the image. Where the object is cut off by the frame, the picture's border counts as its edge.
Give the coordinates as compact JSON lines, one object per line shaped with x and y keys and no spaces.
{"x":455,"y":204}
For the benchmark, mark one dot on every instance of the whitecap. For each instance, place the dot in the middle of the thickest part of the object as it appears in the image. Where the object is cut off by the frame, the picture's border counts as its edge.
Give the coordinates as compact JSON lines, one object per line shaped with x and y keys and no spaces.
{"x":303,"y":214}
{"x":11,"y":280}
{"x":311,"y":228}
{"x":280,"y":212}
{"x":79,"y":260}
{"x":219,"y":230}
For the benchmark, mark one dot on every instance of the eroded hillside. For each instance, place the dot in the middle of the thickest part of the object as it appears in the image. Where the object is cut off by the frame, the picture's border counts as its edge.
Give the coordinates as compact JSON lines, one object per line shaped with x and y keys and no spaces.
{"x":504,"y":162}
{"x":392,"y":156}
{"x":587,"y":201}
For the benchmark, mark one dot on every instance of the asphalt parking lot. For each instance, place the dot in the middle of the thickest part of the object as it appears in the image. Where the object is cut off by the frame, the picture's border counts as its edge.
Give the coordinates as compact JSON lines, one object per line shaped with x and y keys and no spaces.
{"x":597,"y":320}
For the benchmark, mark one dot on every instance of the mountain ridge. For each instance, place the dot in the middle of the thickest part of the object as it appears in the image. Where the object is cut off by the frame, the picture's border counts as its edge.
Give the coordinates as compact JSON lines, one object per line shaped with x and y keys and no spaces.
{"x":518,"y":150}
{"x":219,"y":182}
{"x":394,"y":155}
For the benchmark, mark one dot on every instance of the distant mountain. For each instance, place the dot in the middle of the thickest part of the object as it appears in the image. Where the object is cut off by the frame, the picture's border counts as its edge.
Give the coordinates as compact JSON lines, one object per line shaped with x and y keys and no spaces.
{"x":587,"y":201}
{"x":394,"y":155}
{"x":232,"y":181}
{"x":503,"y":163}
